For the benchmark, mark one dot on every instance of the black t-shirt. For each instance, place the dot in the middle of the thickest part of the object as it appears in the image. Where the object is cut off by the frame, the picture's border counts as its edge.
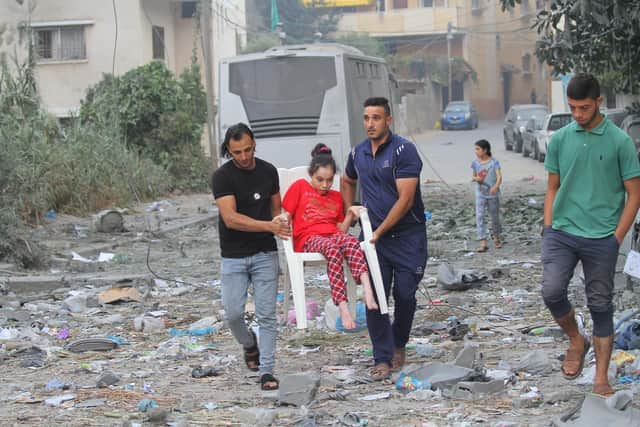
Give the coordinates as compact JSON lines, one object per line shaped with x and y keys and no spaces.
{"x":253,"y":190}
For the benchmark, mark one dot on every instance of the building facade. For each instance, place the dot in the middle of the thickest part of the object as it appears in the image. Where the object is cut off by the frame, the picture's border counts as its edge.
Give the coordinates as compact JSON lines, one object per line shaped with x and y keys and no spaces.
{"x":492,"y":51}
{"x":77,"y":41}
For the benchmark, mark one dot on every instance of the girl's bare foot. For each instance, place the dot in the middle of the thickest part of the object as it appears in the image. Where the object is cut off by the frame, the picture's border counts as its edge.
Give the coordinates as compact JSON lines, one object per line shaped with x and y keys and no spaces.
{"x":347,"y":320}
{"x":369,"y":299}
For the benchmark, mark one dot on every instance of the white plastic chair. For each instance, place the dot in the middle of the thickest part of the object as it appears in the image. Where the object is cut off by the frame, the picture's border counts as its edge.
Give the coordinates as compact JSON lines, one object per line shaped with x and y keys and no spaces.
{"x":297,"y":260}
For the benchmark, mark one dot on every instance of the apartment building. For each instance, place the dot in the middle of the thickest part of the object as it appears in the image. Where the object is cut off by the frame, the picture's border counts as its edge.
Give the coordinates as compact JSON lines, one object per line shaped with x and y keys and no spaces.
{"x":492,"y":50}
{"x":77,"y":41}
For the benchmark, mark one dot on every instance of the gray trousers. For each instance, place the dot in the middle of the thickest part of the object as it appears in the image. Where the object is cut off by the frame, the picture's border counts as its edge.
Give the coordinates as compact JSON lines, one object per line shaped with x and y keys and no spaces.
{"x":561,"y":252}
{"x":260,"y":270}
{"x":493,"y":205}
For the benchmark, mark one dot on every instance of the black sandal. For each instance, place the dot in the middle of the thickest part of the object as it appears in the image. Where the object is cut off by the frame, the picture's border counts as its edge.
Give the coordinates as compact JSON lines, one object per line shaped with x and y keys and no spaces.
{"x":252,"y":355}
{"x":265,"y":379}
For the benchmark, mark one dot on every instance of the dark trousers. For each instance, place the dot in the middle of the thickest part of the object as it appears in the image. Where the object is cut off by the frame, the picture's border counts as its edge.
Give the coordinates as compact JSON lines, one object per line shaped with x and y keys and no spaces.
{"x":403,"y":258}
{"x":561,"y":252}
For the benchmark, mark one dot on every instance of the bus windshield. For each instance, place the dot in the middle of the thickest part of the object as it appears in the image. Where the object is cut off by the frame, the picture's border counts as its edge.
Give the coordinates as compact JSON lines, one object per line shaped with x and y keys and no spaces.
{"x":282,"y":88}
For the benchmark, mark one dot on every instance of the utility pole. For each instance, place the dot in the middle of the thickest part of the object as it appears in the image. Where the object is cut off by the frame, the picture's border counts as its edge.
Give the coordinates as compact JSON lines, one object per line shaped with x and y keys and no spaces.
{"x":449,"y":38}
{"x":207,"y":57}
{"x":282,"y":36}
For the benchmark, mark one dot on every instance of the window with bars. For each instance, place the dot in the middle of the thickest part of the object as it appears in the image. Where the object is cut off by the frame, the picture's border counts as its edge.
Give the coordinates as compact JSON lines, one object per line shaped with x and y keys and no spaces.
{"x":60,"y":44}
{"x":158,"y":42}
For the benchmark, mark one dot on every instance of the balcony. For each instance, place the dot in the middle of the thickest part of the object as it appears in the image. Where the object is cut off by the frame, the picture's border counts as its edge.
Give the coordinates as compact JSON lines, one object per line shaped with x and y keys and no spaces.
{"x":399,"y":22}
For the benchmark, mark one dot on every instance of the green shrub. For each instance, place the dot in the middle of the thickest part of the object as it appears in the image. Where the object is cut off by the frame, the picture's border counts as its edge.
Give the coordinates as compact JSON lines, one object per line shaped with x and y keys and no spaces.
{"x":160,"y":117}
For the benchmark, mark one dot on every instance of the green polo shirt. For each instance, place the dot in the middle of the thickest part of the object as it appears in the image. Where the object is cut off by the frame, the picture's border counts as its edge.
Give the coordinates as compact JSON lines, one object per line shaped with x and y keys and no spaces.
{"x":593,"y":166}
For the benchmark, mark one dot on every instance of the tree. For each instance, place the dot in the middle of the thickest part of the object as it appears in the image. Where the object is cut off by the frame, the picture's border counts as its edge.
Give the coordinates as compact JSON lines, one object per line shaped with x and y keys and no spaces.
{"x":363,"y":41}
{"x":300,"y":22}
{"x":597,"y":36}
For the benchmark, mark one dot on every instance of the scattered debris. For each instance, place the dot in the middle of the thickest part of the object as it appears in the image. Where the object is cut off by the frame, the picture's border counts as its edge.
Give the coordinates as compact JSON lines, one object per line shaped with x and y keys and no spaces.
{"x":458,"y":280}
{"x":92,"y":344}
{"x":119,"y":294}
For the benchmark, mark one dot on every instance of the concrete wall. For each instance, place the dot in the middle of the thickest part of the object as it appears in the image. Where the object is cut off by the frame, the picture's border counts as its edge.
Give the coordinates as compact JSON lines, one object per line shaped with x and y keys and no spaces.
{"x":415,"y":114}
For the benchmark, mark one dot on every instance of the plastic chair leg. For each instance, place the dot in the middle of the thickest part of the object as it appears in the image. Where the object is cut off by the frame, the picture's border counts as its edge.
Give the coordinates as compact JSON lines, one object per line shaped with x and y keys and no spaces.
{"x":297,"y":288}
{"x":376,"y":275}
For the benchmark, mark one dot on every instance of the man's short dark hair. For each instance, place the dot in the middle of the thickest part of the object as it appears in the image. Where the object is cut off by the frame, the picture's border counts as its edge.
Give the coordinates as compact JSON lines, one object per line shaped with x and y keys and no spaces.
{"x":583,"y":86}
{"x":378,"y":101}
{"x":234,"y":132}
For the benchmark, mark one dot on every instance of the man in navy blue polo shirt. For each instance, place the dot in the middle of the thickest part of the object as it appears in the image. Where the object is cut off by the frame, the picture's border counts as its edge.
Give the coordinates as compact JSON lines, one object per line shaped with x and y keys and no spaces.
{"x":388,"y":168}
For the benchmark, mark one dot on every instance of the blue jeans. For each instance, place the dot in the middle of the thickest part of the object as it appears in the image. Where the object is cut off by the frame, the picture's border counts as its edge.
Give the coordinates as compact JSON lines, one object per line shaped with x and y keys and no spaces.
{"x":493,"y":205}
{"x":261,"y":270}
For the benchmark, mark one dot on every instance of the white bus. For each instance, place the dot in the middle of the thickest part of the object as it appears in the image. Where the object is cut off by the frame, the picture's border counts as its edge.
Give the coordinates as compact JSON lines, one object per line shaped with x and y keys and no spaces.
{"x":294,"y":97}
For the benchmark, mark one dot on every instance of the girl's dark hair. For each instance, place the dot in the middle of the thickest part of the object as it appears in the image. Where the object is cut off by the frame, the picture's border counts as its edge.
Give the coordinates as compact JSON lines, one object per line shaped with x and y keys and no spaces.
{"x":484,"y":144}
{"x":234,"y":132}
{"x":321,"y":157}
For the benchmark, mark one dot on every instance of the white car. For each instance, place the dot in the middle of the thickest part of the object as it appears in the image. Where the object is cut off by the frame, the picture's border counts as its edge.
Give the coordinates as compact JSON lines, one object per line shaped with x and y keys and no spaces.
{"x":552,"y":123}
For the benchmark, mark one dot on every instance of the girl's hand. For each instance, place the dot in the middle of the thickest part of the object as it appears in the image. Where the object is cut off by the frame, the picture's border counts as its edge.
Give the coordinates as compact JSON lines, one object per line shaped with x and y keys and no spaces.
{"x":494,"y":189}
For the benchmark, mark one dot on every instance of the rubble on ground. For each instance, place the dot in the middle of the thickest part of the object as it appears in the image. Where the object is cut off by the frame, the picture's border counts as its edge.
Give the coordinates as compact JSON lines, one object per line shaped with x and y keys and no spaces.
{"x":139,"y":338}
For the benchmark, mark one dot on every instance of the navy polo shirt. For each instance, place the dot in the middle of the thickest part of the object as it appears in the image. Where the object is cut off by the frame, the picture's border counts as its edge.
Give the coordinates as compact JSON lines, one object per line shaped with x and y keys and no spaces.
{"x":395,"y":158}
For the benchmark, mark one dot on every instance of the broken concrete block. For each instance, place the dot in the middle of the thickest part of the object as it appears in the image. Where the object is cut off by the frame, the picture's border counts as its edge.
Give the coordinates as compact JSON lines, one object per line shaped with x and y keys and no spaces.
{"x":108,"y":221}
{"x":466,"y":357}
{"x":597,"y":411}
{"x":473,"y":390}
{"x":17,"y":315}
{"x":76,"y":303}
{"x":298,"y":389}
{"x":259,"y":417}
{"x":442,"y":375}
{"x":157,"y":415}
{"x":107,"y":379}
{"x":148,"y":324}
{"x":536,"y":362}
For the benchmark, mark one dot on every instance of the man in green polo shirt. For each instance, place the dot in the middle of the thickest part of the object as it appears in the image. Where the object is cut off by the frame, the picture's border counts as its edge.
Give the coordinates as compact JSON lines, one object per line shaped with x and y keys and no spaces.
{"x":592,"y":198}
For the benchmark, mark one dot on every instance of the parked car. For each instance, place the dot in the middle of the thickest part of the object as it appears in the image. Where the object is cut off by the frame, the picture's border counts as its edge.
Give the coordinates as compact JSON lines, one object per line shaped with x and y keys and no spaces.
{"x":552,"y":123}
{"x":616,"y":115}
{"x":459,"y":115}
{"x":516,"y":120}
{"x":631,"y":125}
{"x":530,"y":134}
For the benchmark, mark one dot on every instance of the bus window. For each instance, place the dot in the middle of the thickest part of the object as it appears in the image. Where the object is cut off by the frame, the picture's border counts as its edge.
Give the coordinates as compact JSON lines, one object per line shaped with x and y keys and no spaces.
{"x":282,"y":87}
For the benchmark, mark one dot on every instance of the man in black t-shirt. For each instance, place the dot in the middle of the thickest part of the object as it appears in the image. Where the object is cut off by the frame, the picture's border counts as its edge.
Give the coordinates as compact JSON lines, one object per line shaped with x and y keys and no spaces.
{"x":247,"y":193}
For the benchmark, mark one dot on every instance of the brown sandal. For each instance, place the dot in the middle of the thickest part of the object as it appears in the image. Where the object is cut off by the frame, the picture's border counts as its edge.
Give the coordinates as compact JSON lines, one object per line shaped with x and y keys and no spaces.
{"x":252,"y":355}
{"x":399,"y":357}
{"x":575,"y":358}
{"x":497,"y":241}
{"x":382,"y":371}
{"x":603,"y":390}
{"x":482,"y":248}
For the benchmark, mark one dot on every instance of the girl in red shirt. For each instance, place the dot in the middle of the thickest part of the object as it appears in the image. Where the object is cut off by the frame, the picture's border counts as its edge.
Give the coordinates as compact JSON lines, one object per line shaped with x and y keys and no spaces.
{"x":320,"y":225}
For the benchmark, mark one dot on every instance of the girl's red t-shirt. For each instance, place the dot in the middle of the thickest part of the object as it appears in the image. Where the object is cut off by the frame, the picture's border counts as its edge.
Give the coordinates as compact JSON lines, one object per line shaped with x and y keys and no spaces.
{"x":312,"y":214}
